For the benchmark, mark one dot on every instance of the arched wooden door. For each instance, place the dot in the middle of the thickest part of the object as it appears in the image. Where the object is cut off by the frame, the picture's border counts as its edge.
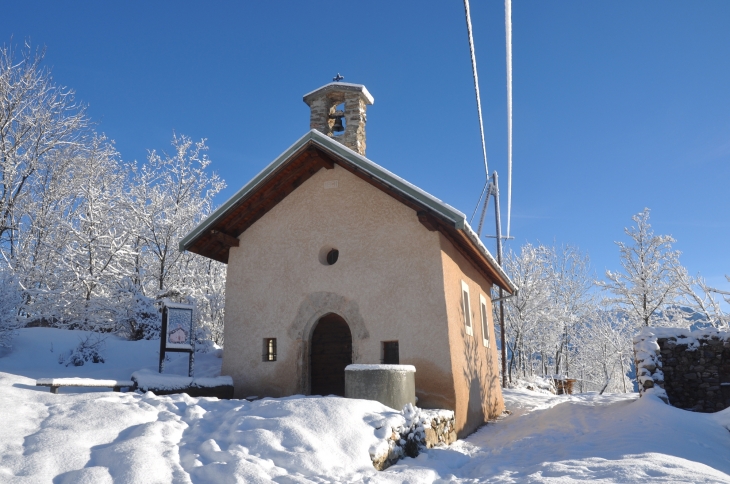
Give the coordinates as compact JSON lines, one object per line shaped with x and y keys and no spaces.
{"x":330,"y":353}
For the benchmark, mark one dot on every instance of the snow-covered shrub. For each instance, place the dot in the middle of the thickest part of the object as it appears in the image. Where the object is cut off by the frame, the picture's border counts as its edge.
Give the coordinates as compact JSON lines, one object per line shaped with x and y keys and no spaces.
{"x":408,"y":434}
{"x":89,"y":349}
{"x":208,"y":346}
{"x":144,"y":320}
{"x":534,"y":383}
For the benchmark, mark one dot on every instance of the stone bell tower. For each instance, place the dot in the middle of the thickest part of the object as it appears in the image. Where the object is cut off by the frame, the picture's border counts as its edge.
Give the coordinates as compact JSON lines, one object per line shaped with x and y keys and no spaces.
{"x":338,"y":110}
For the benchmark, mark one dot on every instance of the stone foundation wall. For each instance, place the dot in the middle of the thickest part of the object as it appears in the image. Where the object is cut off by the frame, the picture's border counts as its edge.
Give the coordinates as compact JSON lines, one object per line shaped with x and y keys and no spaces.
{"x":688,"y":369}
{"x":422,"y":429}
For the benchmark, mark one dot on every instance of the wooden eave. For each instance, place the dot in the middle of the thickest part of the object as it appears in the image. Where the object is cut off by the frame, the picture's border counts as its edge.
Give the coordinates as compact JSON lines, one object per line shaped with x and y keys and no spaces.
{"x":215,"y":236}
{"x":217,"y":239}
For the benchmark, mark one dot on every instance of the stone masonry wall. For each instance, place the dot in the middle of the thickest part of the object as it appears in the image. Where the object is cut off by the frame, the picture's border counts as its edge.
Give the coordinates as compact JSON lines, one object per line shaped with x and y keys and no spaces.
{"x":323,"y":104}
{"x":689,"y":369}
{"x":420,"y":429}
{"x":323,"y":107}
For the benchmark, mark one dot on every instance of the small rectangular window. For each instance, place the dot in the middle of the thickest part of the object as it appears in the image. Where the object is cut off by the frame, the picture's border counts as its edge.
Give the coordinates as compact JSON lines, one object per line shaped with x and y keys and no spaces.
{"x":390,"y":353}
{"x":269,"y":349}
{"x":485,"y":320}
{"x":466,"y":307}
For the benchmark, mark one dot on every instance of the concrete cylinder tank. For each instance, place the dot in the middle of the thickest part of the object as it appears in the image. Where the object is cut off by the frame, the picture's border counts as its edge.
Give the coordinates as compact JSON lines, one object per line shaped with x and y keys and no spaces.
{"x":391,"y":385}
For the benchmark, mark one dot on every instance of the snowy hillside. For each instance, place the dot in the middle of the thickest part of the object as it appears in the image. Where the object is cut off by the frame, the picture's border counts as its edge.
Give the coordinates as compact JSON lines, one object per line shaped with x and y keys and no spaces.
{"x":100,"y":436}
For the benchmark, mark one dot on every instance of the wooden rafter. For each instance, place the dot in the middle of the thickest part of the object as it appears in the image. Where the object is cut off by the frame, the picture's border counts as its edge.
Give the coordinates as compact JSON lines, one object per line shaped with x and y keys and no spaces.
{"x":224,"y":238}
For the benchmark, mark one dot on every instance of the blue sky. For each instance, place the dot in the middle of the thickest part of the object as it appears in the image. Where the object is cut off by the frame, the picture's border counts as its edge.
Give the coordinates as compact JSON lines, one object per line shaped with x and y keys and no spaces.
{"x":618,"y":105}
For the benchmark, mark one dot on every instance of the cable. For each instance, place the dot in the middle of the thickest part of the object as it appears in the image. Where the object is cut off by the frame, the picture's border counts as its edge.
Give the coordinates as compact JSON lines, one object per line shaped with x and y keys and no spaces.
{"x":476,"y":84}
{"x":479,"y":201}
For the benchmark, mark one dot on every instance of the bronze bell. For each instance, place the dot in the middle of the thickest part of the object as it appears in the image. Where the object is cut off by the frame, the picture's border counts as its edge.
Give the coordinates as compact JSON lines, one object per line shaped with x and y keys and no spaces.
{"x":338,"y":127}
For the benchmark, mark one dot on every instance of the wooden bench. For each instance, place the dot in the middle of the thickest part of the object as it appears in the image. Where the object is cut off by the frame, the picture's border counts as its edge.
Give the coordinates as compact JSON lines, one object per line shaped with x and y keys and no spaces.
{"x":56,"y":383}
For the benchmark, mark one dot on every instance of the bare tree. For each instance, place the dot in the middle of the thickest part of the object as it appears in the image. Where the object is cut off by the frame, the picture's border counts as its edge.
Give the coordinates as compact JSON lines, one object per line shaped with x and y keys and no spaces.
{"x":570,"y":285}
{"x":553,"y":302}
{"x":703,"y":299}
{"x":524,"y":312}
{"x":170,"y":195}
{"x":37,"y":119}
{"x":98,"y":252}
{"x":649,"y":283}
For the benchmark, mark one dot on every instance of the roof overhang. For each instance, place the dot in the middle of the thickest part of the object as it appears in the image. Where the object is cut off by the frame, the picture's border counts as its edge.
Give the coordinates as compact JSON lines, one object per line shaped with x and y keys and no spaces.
{"x":215,"y":235}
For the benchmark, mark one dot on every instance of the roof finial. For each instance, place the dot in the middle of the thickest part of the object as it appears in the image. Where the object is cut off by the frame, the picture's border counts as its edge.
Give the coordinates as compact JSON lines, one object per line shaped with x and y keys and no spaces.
{"x":338,"y":77}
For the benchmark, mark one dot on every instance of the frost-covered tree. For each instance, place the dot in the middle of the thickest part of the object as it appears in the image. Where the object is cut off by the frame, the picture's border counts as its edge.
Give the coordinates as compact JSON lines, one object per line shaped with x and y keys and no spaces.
{"x":570,"y":298}
{"x":170,"y":195}
{"x":38,"y":120}
{"x":604,"y":351}
{"x":549,"y":309}
{"x":11,"y":298}
{"x":525,"y":311}
{"x":703,"y":299}
{"x":649,"y":284}
{"x":87,"y":241}
{"x":98,"y":250}
{"x":42,"y":130}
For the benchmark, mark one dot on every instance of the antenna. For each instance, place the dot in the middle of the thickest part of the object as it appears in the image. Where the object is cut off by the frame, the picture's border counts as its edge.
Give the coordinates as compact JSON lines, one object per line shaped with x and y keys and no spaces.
{"x":508,"y":42}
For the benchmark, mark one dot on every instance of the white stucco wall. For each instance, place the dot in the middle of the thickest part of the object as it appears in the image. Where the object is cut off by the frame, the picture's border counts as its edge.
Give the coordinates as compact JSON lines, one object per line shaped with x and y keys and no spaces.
{"x":388,"y":284}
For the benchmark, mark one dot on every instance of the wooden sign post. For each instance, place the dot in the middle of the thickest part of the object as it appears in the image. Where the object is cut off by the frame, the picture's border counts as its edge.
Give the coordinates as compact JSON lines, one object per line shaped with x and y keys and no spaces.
{"x":177,"y":334}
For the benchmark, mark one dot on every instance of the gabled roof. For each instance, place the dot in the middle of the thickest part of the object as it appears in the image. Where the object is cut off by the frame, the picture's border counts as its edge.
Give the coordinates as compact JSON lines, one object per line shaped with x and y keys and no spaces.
{"x":312,"y":152}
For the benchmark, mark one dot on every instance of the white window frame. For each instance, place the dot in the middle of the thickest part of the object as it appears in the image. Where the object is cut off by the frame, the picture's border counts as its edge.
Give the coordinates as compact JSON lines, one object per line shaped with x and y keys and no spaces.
{"x":483,"y":310}
{"x":466,"y":307}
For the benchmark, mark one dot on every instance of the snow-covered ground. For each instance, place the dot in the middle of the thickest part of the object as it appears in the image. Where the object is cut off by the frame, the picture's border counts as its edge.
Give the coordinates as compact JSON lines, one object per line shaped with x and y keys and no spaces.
{"x":90,"y":436}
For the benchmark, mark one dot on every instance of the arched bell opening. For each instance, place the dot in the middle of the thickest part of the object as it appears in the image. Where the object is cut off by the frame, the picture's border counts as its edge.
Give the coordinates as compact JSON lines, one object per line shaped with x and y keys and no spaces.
{"x":330,"y":352}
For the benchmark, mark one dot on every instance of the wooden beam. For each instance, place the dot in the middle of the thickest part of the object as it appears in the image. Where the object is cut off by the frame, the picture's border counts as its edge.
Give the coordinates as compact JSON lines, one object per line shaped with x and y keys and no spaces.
{"x":268,"y":197}
{"x":428,"y":221}
{"x":224,"y":238}
{"x":327,"y":162}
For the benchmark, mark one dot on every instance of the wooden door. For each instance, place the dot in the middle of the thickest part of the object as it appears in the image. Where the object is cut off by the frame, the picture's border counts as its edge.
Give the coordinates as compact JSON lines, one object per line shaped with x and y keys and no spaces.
{"x":330,"y":353}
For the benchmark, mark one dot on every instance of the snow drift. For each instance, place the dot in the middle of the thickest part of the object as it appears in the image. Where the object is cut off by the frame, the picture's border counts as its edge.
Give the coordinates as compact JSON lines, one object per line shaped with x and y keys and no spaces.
{"x":92,"y":436}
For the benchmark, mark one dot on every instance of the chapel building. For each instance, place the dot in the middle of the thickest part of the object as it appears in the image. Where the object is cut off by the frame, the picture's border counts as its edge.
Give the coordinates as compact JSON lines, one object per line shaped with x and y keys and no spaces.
{"x":332,"y":260}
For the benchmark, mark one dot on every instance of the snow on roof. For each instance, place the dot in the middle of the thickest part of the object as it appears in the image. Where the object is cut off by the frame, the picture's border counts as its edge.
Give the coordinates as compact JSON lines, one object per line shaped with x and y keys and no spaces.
{"x":342,"y":86}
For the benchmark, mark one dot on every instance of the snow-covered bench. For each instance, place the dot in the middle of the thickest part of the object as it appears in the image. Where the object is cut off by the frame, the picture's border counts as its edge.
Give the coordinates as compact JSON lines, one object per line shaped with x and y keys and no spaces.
{"x":146,"y":380}
{"x":166,"y":384}
{"x":56,"y":383}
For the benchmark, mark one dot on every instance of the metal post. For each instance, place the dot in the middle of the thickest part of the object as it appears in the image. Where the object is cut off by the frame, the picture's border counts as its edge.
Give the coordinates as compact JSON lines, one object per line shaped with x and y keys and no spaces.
{"x":163,"y":332}
{"x":495,"y":191}
{"x":191,"y":360}
{"x":484,"y":209}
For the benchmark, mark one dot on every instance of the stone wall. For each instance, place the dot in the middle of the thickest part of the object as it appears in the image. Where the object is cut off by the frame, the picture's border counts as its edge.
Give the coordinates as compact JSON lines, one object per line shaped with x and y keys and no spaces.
{"x":421,"y":429}
{"x":688,"y":369}
{"x":323,"y":104}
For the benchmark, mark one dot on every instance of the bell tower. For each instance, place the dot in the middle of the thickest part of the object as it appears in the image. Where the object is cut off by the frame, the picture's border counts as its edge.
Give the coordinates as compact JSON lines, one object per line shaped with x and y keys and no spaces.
{"x":338,"y":110}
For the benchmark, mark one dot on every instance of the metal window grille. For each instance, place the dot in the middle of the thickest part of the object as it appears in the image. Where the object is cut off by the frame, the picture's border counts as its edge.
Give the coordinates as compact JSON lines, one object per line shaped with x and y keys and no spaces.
{"x":269,"y":349}
{"x":390,"y":353}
